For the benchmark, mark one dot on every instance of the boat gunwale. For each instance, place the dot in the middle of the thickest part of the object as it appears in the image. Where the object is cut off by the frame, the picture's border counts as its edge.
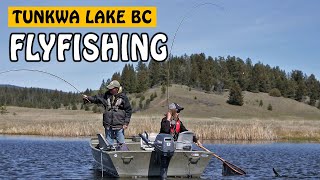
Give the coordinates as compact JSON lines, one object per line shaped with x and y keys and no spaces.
{"x":139,"y":151}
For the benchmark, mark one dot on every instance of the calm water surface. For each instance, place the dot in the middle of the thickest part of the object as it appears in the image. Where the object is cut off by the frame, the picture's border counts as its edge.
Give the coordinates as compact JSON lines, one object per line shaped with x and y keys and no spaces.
{"x":25,"y":157}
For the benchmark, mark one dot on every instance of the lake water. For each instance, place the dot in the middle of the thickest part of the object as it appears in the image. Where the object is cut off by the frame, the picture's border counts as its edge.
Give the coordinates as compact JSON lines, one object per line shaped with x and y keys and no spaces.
{"x":25,"y":157}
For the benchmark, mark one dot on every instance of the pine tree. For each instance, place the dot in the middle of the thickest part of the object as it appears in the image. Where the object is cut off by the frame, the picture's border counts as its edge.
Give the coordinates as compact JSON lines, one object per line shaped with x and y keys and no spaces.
{"x":133,"y":104}
{"x":260,"y":103}
{"x":249,"y":68}
{"x":291,"y":89}
{"x":103,"y":87}
{"x":66,"y":103}
{"x":140,"y":105}
{"x":224,"y":75}
{"x":301,"y":89}
{"x":142,"y":77}
{"x":238,"y":71}
{"x":206,"y":76}
{"x":125,"y":78}
{"x":254,"y":81}
{"x":86,"y":92}
{"x":3,"y":110}
{"x":195,"y":68}
{"x":155,"y":70}
{"x":86,"y":108}
{"x":116,"y":76}
{"x":163,"y":89}
{"x":260,"y":78}
{"x":312,"y":89}
{"x":151,"y":97}
{"x":235,"y":95}
{"x":132,"y":87}
{"x":280,"y":80}
{"x":275,"y":92}
{"x":108,"y":82}
{"x":147,"y":103}
{"x":74,"y":106}
{"x":244,"y":74}
{"x":56,"y":105}
{"x":142,"y":98}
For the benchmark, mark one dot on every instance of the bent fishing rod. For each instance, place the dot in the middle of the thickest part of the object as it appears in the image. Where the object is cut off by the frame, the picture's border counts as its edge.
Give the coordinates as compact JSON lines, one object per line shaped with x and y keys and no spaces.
{"x":175,"y":34}
{"x":44,"y":72}
{"x":231,"y":167}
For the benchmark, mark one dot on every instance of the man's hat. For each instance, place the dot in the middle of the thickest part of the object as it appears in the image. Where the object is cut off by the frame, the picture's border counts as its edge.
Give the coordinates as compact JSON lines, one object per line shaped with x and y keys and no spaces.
{"x":114,"y":84}
{"x":176,"y":107}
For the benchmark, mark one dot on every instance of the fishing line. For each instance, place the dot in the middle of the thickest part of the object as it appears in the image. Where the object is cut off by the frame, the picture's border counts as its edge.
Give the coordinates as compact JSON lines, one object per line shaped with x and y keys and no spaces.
{"x":101,"y":159}
{"x":175,"y":34}
{"x":44,"y":72}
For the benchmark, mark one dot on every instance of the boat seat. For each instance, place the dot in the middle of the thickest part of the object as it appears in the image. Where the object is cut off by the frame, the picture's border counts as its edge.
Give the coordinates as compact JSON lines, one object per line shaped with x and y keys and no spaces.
{"x":185,"y":141}
{"x":106,"y":146}
{"x":103,"y":144}
{"x":151,"y":138}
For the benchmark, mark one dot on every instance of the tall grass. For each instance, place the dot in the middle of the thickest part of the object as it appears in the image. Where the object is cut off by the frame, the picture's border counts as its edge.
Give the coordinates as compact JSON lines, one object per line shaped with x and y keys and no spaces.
{"x":66,"y":129}
{"x":222,"y":129}
{"x":79,"y":123}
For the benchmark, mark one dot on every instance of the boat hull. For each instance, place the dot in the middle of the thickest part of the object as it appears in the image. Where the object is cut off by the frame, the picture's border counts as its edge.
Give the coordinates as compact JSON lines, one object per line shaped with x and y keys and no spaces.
{"x":141,"y":163}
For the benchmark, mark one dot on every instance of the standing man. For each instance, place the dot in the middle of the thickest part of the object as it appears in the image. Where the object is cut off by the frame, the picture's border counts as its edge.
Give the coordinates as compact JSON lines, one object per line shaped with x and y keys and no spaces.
{"x":117,"y":114}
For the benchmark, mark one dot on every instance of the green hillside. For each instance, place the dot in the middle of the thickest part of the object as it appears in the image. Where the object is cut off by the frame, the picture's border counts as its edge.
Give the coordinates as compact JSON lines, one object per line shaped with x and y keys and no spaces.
{"x":207,"y":105}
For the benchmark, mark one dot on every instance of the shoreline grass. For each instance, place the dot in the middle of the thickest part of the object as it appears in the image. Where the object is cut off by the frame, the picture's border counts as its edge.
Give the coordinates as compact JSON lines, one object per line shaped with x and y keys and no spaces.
{"x":67,"y":123}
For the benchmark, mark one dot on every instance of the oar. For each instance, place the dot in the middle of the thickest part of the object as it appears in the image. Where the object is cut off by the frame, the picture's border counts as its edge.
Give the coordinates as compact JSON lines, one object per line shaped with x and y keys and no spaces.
{"x":276,"y":173}
{"x":230,"y":167}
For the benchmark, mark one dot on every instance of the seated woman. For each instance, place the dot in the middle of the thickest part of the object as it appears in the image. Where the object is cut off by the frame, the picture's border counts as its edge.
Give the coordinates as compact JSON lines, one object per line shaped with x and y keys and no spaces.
{"x":171,"y":123}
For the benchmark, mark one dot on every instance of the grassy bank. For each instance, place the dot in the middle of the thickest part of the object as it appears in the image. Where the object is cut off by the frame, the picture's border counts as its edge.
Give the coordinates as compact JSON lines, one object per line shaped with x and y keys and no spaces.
{"x":69,"y":123}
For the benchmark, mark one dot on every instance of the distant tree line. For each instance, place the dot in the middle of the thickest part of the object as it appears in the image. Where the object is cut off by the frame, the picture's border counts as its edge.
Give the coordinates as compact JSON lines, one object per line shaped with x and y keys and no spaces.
{"x":217,"y":75}
{"x":196,"y":71}
{"x":37,"y":97}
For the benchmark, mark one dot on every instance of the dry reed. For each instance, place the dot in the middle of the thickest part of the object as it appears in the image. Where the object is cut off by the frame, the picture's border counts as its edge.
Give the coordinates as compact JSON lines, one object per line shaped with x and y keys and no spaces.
{"x":80,"y":123}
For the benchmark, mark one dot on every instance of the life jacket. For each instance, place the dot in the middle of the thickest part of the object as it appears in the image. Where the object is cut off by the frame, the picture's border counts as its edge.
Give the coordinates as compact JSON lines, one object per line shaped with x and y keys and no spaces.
{"x":175,"y":128}
{"x":115,"y":105}
{"x":114,"y":102}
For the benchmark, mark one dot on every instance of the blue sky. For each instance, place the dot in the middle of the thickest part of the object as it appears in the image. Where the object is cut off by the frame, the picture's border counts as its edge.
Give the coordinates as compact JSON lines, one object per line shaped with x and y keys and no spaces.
{"x":279,"y":33}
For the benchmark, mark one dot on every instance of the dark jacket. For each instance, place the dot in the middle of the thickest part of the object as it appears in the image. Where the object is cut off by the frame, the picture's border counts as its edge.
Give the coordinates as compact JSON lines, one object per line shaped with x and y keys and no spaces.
{"x":117,"y":112}
{"x":165,"y":128}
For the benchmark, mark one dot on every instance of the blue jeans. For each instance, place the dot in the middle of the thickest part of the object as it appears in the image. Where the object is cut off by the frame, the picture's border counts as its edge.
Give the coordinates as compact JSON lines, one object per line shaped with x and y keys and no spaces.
{"x":114,"y":134}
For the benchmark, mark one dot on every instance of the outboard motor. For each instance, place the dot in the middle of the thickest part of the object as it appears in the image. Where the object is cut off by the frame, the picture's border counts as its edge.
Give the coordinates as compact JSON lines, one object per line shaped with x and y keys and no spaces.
{"x":164,"y":147}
